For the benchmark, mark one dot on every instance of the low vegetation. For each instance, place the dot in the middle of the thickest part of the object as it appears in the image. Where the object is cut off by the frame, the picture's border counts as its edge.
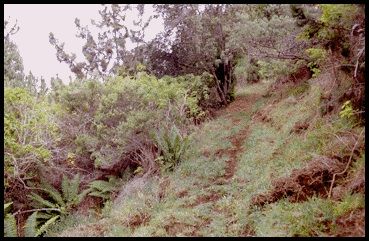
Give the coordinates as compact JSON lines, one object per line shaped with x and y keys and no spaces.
{"x":227,"y":134}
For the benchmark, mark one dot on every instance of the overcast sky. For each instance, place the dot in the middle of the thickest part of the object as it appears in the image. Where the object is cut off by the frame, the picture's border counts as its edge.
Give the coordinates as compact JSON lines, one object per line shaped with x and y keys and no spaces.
{"x":36,"y":21}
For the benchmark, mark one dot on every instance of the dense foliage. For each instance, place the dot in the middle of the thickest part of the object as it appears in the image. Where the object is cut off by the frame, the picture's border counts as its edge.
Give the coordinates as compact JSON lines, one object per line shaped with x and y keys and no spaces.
{"x":132,"y":112}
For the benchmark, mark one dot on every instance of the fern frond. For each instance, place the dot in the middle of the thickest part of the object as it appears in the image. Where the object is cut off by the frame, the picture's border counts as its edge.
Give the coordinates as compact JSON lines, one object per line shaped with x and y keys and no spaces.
{"x":43,"y":215}
{"x":81,"y":196}
{"x":40,"y":200}
{"x":10,"y":225}
{"x":74,"y":188}
{"x":113,"y":180}
{"x":30,"y":229}
{"x":70,"y":188}
{"x":53,"y":193}
{"x":44,"y":227}
{"x":99,"y":194}
{"x":102,"y":186}
{"x":65,"y":188}
{"x":7,"y":207}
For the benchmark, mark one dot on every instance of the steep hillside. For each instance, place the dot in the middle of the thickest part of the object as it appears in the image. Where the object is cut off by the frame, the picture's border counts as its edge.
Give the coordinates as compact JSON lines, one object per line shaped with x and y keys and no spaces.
{"x":262,"y":167}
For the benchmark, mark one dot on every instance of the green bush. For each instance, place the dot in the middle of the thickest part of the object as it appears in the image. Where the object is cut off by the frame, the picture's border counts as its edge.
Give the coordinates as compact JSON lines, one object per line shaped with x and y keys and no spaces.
{"x":273,"y":69}
{"x":332,"y":26}
{"x":30,"y":132}
{"x":48,"y":211}
{"x":247,"y":71}
{"x":172,"y":145}
{"x":103,"y":122}
{"x":316,"y":59}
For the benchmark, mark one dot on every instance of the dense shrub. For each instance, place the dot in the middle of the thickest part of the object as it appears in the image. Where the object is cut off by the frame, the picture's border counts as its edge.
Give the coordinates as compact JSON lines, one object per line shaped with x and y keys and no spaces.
{"x":247,"y":70}
{"x":107,"y":124}
{"x":29,"y":134}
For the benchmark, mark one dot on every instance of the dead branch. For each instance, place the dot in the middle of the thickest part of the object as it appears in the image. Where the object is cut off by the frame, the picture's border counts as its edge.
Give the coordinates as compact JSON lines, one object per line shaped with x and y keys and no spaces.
{"x":347,"y":166}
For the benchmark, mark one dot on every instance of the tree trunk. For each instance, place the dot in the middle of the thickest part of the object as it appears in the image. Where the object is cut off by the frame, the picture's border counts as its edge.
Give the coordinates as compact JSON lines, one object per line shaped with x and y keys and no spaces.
{"x":222,"y":94}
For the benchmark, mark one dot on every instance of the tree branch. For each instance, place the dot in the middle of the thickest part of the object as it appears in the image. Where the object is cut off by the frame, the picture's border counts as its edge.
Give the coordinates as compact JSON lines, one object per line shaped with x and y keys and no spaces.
{"x":347,"y":166}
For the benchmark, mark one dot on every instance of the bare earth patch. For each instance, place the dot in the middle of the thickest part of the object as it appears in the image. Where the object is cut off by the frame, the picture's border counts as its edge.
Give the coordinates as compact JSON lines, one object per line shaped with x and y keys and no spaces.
{"x":352,"y":224}
{"x":315,"y":178}
{"x":182,"y":194}
{"x":212,"y":197}
{"x":138,"y":219}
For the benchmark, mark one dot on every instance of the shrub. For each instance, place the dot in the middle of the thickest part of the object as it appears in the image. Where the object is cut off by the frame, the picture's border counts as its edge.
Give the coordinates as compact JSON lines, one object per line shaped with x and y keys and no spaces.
{"x":316,"y":58}
{"x":49,"y":210}
{"x":30,"y":132}
{"x":107,"y":124}
{"x":273,"y":69}
{"x":172,"y":146}
{"x":247,"y":70}
{"x":332,"y":27}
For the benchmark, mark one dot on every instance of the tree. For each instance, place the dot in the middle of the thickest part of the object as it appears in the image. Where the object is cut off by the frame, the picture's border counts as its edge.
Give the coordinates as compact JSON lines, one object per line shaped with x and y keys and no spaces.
{"x":194,"y":42}
{"x":267,"y":32}
{"x":13,"y":63}
{"x":104,"y":55}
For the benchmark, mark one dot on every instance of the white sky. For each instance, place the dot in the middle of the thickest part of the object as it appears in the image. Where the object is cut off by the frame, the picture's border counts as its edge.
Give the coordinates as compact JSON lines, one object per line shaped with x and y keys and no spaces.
{"x":36,"y":21}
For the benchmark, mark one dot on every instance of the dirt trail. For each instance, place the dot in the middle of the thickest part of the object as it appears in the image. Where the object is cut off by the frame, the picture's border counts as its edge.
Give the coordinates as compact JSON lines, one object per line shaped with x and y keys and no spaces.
{"x":241,"y":104}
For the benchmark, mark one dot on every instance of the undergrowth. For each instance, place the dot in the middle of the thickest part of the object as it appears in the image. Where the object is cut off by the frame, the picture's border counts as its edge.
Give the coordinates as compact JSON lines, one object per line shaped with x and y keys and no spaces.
{"x":196,"y":200}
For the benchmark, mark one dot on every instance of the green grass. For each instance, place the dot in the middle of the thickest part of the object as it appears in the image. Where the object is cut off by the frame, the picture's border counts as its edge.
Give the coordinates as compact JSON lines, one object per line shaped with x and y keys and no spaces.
{"x":70,"y":222}
{"x":309,"y":218}
{"x":270,"y":151}
{"x":299,"y":89}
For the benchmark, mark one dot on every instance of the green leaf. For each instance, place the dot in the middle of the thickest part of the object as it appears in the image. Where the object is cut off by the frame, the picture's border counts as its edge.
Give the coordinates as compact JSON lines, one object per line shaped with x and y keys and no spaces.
{"x":102,"y":186}
{"x":42,"y":215}
{"x":99,"y":194}
{"x":65,"y":187}
{"x":44,"y":227}
{"x":53,"y":193}
{"x":81,"y":196}
{"x":41,"y":201}
{"x":10,"y":226}
{"x":74,"y":186}
{"x":30,"y":229}
{"x":7,"y":207}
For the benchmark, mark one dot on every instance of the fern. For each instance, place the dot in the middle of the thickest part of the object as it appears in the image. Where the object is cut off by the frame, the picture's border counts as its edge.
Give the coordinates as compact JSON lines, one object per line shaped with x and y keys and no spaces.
{"x":40,"y":200}
{"x":61,"y":203}
{"x":53,"y":193}
{"x":103,"y":189}
{"x":102,"y":186}
{"x":100,"y":194}
{"x":44,"y":227}
{"x":70,"y":188}
{"x":10,"y":226}
{"x":81,"y":196}
{"x":7,"y":207}
{"x":172,"y":145}
{"x":42,"y":215}
{"x":30,"y":229}
{"x":69,"y":198}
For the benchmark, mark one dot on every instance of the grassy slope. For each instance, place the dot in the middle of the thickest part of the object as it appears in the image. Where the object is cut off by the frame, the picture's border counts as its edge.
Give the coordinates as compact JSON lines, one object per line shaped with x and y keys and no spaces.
{"x":232,"y":158}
